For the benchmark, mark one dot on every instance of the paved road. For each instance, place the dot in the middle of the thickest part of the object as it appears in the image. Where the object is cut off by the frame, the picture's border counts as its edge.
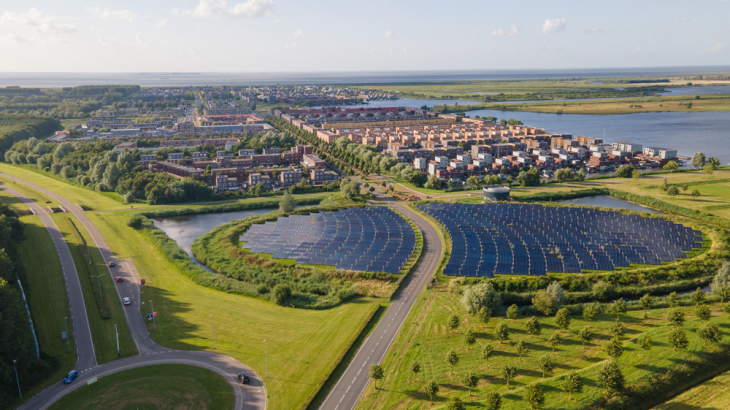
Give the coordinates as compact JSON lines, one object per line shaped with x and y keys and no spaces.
{"x":251,"y":396}
{"x":352,"y":383}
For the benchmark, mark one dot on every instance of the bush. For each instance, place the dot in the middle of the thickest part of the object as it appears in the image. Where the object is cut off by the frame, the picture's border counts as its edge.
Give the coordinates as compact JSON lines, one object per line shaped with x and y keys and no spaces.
{"x":281,"y":295}
{"x":55,"y":168}
{"x":136,"y":221}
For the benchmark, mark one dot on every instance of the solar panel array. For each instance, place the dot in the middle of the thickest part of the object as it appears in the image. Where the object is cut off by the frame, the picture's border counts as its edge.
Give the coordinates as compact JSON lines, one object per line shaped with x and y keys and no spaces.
{"x":522,"y":239}
{"x":370,"y":239}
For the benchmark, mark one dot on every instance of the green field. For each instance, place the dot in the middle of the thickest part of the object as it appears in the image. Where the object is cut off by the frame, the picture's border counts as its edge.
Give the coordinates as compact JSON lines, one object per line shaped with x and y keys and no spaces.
{"x":425,"y":339}
{"x":713,"y":394}
{"x":159,"y":387}
{"x":102,"y":330}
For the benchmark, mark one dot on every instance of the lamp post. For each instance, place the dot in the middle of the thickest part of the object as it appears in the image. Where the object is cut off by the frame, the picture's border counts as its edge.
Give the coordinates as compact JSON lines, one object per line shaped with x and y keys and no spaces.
{"x":68,"y":349}
{"x":212,"y":337}
{"x":152,"y":307}
{"x":101,"y":296}
{"x":266,"y":358}
{"x":117,"y":334}
{"x":16,"y":379}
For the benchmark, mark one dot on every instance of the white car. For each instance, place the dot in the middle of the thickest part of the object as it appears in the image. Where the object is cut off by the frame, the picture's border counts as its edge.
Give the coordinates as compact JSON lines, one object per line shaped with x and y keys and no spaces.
{"x":126,"y":301}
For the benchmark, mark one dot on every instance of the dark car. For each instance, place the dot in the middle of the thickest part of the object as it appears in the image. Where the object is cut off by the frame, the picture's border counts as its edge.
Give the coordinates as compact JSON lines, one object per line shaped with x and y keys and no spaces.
{"x":70,"y":377}
{"x":119,"y":279}
{"x":243,"y":378}
{"x":110,"y":264}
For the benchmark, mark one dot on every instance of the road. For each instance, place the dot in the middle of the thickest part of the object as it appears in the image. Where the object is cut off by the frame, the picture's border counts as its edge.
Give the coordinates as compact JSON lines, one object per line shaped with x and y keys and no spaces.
{"x":251,"y":396}
{"x":352,"y":383}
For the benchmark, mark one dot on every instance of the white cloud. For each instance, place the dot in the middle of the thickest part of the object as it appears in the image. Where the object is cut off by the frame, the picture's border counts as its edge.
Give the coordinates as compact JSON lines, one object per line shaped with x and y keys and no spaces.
{"x":139,"y":42}
{"x":36,"y":19}
{"x":14,"y":38}
{"x":514,"y":31}
{"x":105,"y":40}
{"x":216,"y":8}
{"x":107,"y":14}
{"x":162,"y":22}
{"x":387,"y":34}
{"x":637,"y":50}
{"x":475,"y":34}
{"x":293,"y":45}
{"x":593,"y":30}
{"x":298,"y":34}
{"x":717,"y":47}
{"x":685,"y":19}
{"x":553,"y":26}
{"x":277,"y":21}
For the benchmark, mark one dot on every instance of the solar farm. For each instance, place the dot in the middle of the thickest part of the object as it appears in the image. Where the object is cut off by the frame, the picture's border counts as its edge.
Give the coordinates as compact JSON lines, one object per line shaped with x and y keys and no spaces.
{"x":370,"y":239}
{"x":522,"y":239}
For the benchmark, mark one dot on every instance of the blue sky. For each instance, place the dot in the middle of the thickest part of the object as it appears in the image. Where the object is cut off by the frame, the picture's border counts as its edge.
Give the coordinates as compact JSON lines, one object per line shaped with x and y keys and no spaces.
{"x":359,"y":35}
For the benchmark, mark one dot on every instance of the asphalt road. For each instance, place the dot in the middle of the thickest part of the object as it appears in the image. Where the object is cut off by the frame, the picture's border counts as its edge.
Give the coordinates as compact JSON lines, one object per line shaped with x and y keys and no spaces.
{"x":352,"y":383}
{"x":251,"y":396}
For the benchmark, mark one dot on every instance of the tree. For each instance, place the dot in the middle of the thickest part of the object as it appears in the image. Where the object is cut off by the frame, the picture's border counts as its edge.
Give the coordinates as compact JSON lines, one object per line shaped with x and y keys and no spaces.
{"x":714,"y":162}
{"x":698,"y":296}
{"x":678,"y":339}
{"x":453,"y":323}
{"x":479,"y":296}
{"x":676,"y":317}
{"x":572,"y":383}
{"x":287,"y":203}
{"x":470,"y":381}
{"x":581,"y":175}
{"x":487,"y":352}
{"x":493,"y":401}
{"x":646,"y":302}
{"x":415,"y":368}
{"x":509,"y":181}
{"x":664,"y":186}
{"x":671,"y":166}
{"x":709,"y":332}
{"x":591,"y":311}
{"x":673,"y":299}
{"x":703,"y":312}
{"x":376,"y":373}
{"x":562,"y":318}
{"x":533,"y":326}
{"x":522,"y":349}
{"x":613,"y":347}
{"x":611,"y":378}
{"x":455,"y":403}
{"x":472,"y":181}
{"x":625,"y":171}
{"x":501,"y":332}
{"x":602,"y":290}
{"x":696,"y":194}
{"x":564,"y":175}
{"x":645,"y":342}
{"x":509,"y":372}
{"x":636,"y":174}
{"x":554,"y":340}
{"x":535,"y":397}
{"x":513,"y":312}
{"x":698,"y":160}
{"x":618,"y":306}
{"x":136,"y":221}
{"x":469,"y":337}
{"x":618,"y":329}
{"x":433,"y":182}
{"x":546,"y":365}
{"x":431,"y":389}
{"x":452,"y":359}
{"x":282,"y":294}
{"x":721,"y":282}
{"x":549,"y":300}
{"x":708,"y":170}
{"x":673,"y":191}
{"x":585,"y":336}
{"x":530,"y":177}
{"x":484,"y":315}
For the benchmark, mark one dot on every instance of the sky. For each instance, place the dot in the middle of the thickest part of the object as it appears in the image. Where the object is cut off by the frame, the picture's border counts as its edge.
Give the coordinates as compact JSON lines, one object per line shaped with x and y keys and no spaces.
{"x":359,"y":35}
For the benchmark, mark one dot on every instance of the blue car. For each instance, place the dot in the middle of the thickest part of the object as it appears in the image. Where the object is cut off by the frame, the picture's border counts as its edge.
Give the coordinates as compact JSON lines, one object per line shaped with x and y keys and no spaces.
{"x":70,"y":377}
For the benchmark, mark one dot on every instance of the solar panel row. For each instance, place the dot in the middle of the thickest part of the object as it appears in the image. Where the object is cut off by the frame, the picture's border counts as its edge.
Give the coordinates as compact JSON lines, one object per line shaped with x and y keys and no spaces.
{"x":370,"y":239}
{"x":525,"y":239}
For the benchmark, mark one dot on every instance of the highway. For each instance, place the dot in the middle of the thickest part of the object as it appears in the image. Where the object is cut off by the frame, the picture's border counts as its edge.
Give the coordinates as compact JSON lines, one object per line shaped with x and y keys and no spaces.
{"x":352,"y":383}
{"x":251,"y":396}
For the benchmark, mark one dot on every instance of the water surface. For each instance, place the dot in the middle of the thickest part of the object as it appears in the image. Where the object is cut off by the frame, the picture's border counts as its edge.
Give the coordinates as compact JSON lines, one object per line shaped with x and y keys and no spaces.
{"x":608,"y":201}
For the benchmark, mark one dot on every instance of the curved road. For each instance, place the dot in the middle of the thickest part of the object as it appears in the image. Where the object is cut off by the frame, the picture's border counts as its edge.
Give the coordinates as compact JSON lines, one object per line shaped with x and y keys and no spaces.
{"x":352,"y":383}
{"x":251,"y":396}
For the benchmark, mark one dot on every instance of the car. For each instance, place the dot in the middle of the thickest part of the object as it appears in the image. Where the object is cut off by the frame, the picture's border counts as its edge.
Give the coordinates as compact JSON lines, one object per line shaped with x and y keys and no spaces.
{"x":70,"y":377}
{"x":243,"y":378}
{"x":110,"y":264}
{"x":119,"y":279}
{"x":126,"y":301}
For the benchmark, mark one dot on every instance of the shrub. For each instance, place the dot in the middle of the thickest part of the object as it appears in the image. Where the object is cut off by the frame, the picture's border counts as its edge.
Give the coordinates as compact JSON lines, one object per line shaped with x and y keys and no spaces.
{"x":136,"y":221}
{"x":281,"y":295}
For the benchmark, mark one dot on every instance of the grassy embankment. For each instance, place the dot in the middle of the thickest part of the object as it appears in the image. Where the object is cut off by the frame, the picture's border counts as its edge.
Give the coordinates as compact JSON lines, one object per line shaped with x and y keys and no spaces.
{"x":103,"y":311}
{"x":159,"y":387}
{"x":713,"y":394}
{"x":295,"y":338}
{"x":425,"y":338}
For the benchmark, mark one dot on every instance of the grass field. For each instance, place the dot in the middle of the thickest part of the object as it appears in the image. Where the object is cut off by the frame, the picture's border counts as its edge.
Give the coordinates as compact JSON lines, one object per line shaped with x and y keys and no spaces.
{"x":713,"y":394}
{"x":160,"y":387}
{"x":425,"y":338}
{"x":102,"y":330}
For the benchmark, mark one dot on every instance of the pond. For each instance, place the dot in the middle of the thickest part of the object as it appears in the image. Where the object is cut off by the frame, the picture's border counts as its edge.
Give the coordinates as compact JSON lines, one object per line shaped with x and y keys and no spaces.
{"x":608,"y":201}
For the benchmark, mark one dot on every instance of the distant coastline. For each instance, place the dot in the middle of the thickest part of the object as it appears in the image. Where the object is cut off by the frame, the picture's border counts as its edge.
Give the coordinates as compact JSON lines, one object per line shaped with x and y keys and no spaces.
{"x":149,"y":79}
